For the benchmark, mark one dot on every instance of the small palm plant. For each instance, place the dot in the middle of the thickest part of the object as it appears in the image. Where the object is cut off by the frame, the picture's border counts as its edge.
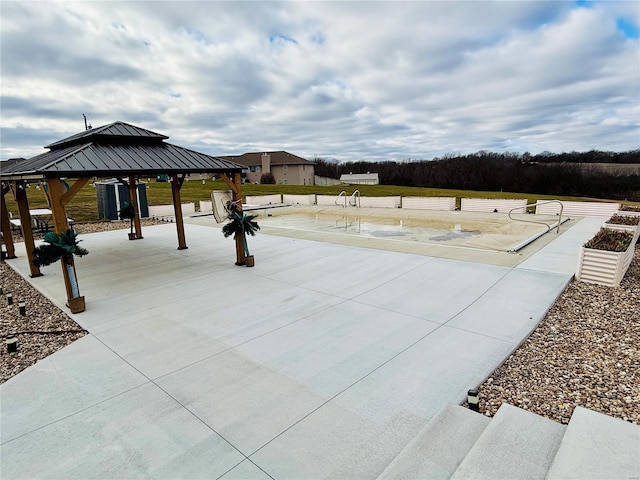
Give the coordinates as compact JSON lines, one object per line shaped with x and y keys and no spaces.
{"x":60,"y":246}
{"x":240,"y":224}
{"x":127,"y":212}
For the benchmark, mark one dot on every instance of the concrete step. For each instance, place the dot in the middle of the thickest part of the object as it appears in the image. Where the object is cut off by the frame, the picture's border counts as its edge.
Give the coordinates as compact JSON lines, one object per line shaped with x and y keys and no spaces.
{"x":515,"y":445}
{"x":439,"y":447}
{"x":596,"y":446}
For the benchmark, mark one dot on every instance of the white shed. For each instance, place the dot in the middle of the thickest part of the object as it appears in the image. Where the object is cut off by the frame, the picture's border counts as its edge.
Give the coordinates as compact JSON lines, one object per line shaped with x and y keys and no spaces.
{"x":360,"y":178}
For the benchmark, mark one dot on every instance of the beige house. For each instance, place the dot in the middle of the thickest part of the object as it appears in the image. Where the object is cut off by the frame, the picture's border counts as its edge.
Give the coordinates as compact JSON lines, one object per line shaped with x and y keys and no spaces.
{"x":286,"y":168}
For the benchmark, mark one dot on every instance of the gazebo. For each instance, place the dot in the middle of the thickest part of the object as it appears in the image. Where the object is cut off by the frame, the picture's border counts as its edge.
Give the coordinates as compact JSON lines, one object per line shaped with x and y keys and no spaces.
{"x":118,"y":150}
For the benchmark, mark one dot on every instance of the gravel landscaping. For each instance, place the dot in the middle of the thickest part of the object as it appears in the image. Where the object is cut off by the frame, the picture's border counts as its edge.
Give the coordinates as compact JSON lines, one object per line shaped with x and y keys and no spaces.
{"x":44,"y":328}
{"x":585,"y":352}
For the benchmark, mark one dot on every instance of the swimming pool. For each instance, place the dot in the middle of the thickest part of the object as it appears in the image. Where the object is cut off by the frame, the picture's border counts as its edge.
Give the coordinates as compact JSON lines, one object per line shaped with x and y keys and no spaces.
{"x":469,"y":230}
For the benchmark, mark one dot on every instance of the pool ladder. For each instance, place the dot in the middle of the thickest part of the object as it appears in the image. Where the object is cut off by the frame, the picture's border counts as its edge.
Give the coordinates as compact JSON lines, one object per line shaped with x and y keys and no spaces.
{"x":353,"y":200}
{"x":538,"y":235}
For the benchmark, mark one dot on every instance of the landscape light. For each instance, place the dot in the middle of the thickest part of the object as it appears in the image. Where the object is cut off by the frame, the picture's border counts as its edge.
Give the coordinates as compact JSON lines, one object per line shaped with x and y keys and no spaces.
{"x":472,"y":400}
{"x":22,"y":306}
{"x":12,"y":345}
{"x":9,"y":298}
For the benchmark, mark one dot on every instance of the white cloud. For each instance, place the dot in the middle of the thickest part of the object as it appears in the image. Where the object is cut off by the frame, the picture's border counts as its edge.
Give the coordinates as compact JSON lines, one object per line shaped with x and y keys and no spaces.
{"x":349,"y":80}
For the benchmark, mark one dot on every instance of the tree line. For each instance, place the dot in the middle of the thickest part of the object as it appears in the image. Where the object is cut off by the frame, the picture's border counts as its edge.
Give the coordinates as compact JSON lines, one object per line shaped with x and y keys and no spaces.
{"x":544,"y":173}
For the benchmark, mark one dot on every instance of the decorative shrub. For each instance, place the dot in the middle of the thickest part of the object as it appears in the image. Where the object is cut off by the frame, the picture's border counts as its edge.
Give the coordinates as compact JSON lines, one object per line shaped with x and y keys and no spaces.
{"x":267,"y":179}
{"x":624,"y":220}
{"x":610,"y":240}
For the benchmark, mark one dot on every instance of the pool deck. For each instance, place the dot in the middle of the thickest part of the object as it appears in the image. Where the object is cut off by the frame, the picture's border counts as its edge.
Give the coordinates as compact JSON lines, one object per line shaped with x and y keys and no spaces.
{"x":322,"y":361}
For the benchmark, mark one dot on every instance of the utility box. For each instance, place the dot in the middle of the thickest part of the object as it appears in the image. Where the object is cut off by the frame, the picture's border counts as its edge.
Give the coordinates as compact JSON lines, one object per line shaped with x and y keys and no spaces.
{"x":112,"y":195}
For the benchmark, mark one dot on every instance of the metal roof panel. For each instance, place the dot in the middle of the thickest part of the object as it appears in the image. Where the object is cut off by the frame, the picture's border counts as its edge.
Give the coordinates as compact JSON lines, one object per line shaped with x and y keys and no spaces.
{"x":92,"y":159}
{"x":115,"y":129}
{"x":40,"y":162}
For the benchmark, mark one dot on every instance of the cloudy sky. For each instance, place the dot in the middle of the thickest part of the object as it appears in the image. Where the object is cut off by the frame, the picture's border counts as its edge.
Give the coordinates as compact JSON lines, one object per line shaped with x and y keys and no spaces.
{"x":334,"y":79}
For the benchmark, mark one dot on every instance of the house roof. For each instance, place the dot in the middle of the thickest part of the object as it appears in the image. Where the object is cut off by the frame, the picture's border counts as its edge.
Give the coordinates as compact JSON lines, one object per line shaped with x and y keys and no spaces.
{"x":277,"y":158}
{"x":116,"y":149}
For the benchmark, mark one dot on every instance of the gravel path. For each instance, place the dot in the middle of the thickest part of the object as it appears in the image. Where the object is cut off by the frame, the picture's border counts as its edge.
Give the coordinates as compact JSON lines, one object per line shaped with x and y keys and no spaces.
{"x":585,"y":352}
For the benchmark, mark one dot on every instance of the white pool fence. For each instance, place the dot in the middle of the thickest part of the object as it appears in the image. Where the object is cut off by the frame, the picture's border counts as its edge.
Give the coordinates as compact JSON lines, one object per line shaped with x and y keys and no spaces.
{"x":543,"y":207}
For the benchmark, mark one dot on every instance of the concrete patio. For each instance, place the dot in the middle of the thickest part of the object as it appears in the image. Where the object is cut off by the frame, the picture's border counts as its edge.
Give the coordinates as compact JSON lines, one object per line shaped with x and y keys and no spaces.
{"x":322,"y":361}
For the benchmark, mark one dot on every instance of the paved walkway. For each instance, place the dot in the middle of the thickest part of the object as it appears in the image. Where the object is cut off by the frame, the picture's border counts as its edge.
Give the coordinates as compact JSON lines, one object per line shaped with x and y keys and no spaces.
{"x":322,"y":361}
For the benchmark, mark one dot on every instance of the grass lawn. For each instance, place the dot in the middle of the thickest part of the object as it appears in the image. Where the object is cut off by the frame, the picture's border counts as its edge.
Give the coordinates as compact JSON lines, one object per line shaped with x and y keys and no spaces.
{"x":84,"y":206}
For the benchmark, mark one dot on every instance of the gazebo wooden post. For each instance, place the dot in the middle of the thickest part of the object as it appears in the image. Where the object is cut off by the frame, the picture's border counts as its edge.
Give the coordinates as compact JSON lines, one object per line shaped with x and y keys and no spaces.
{"x":176,"y":185}
{"x":20,"y":193}
{"x":236,"y":189}
{"x":237,"y":199}
{"x":133,"y":193}
{"x":59,"y":198}
{"x":7,"y":236}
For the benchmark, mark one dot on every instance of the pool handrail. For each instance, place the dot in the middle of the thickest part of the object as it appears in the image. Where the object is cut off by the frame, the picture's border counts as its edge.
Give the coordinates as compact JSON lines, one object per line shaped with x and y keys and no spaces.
{"x":354,"y":200}
{"x":342,"y":193}
{"x":549,"y":227}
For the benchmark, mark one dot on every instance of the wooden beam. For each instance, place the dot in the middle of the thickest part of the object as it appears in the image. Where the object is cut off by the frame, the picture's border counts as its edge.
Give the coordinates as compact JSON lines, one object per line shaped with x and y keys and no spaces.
{"x":133,"y":194}
{"x":176,"y":184}
{"x":123,"y":181}
{"x":20,"y":192}
{"x":237,"y":199}
{"x":75,"y":188}
{"x":57,"y":191}
{"x":61,"y":225}
{"x":231,"y":183}
{"x":133,"y":197}
{"x":7,"y":236}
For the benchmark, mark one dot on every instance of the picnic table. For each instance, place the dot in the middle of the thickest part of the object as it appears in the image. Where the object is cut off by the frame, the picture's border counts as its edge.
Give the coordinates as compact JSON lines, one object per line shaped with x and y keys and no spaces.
{"x":41,"y":217}
{"x":40,"y":220}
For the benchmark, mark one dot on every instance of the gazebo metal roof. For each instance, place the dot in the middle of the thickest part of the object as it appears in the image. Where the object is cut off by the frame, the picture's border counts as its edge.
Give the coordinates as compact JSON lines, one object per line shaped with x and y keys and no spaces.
{"x":116,"y":149}
{"x":111,"y":132}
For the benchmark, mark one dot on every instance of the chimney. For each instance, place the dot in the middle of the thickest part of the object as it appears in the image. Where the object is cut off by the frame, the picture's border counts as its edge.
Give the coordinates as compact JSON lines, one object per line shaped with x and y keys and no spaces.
{"x":266,"y":163}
